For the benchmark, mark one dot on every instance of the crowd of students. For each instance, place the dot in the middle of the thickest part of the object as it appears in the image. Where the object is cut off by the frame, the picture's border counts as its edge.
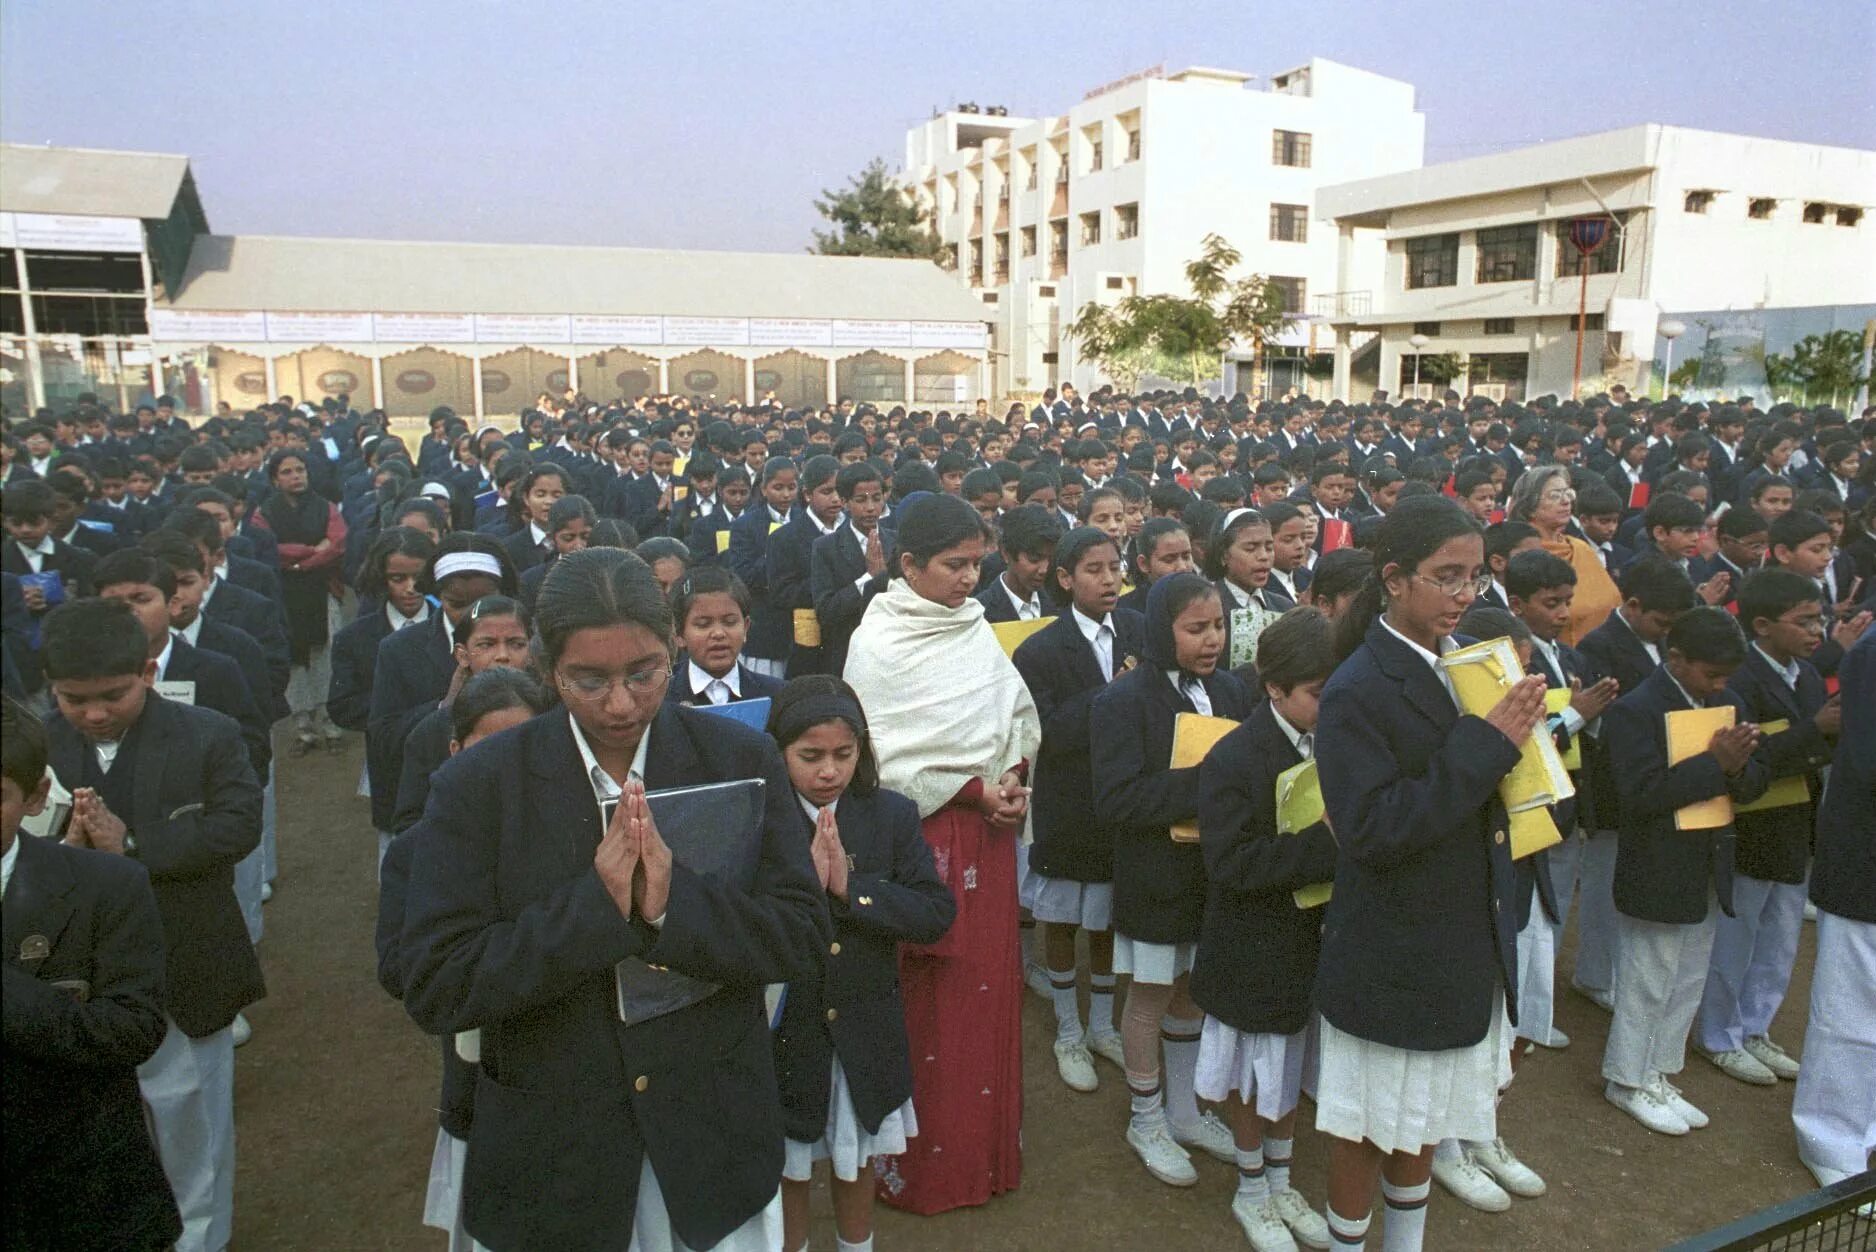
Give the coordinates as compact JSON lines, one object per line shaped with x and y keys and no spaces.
{"x":544,"y":634}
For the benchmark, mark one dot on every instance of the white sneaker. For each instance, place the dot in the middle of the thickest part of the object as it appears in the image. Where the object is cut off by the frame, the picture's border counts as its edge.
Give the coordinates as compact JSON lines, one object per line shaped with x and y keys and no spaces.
{"x":267,"y":892}
{"x":1305,"y":1223}
{"x":1209,"y":1135}
{"x":1557,"y":1042}
{"x":1462,"y":1176}
{"x":1497,"y":1159}
{"x":1601,"y":999}
{"x":1743,"y":1065}
{"x":1773,"y":1057}
{"x":1682,"y":1106}
{"x":1810,"y":911}
{"x":1262,"y":1226}
{"x":1646,"y":1105}
{"x":1074,"y":1064}
{"x":1107,"y":1046}
{"x":1163,"y":1158}
{"x":241,"y":1030}
{"x":1037,"y":979}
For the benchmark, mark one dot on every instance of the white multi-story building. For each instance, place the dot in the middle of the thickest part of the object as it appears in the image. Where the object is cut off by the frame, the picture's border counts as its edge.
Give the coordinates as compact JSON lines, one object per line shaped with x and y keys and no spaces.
{"x":1113,"y":197}
{"x":1748,"y":244}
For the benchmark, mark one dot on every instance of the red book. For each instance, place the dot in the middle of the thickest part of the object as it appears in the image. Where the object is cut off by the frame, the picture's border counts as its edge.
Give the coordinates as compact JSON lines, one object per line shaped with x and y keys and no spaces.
{"x":1638,"y":496}
{"x":1336,"y":534}
{"x":1449,"y":488}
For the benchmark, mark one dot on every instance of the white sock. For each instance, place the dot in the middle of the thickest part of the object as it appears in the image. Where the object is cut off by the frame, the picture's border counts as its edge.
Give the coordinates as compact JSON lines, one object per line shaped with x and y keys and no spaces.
{"x":1179,"y":1040}
{"x":1067,"y":1009}
{"x":1253,"y":1183}
{"x":1447,"y":1150}
{"x":865,"y":1245}
{"x":1146,"y":1100}
{"x":1101,"y":1005}
{"x":1277,"y":1162}
{"x":1405,"y":1223}
{"x":1347,"y":1234}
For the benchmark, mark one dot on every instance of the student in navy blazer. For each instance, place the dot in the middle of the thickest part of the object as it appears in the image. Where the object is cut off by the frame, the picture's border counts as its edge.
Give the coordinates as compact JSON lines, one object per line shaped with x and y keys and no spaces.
{"x":259,"y":619}
{"x":392,"y":579}
{"x":517,"y":935}
{"x":843,"y":584}
{"x":771,"y":630}
{"x":790,"y":557}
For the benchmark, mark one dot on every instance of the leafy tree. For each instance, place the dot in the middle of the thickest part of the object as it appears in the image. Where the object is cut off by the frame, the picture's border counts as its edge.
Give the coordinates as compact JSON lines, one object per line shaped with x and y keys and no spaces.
{"x":1685,"y":375}
{"x":874,"y":216}
{"x":1189,"y":334}
{"x":1830,"y":364}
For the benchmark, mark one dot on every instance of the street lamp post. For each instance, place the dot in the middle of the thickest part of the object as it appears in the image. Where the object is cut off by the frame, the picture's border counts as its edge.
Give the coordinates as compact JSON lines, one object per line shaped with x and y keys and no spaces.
{"x":1669,"y":330}
{"x":1418,"y":342}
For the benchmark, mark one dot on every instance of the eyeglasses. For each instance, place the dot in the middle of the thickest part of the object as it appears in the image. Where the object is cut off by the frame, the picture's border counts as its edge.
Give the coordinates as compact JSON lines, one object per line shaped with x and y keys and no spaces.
{"x":588,"y":688}
{"x":1559,"y":495}
{"x":1809,"y":624}
{"x":1457,"y":585}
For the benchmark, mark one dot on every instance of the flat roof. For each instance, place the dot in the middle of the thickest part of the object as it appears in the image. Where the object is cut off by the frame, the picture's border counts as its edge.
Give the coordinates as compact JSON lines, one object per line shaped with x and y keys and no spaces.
{"x":90,"y":182}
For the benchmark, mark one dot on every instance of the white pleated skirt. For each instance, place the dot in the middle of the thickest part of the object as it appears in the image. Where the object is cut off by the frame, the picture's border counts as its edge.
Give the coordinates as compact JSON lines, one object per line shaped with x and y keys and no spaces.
{"x":1263,"y":1070}
{"x":846,"y":1145}
{"x":442,"y":1201}
{"x":652,"y":1230}
{"x":1065,"y":902}
{"x":1157,"y":964}
{"x":1402,"y":1100}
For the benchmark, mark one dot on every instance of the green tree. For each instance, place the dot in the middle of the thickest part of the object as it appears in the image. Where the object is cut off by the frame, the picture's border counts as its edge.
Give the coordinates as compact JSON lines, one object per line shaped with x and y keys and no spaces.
{"x":1685,"y":375}
{"x":874,"y":216}
{"x":1187,"y":334}
{"x":1830,"y":364}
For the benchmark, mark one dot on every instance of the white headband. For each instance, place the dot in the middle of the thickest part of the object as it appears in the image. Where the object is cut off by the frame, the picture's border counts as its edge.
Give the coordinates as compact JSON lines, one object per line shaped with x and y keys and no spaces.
{"x":467,"y":563}
{"x":434,"y":490}
{"x":1233,"y":516}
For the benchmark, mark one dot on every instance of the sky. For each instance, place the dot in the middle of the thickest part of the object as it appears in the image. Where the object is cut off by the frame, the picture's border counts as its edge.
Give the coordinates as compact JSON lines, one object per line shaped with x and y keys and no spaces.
{"x":715,"y":125}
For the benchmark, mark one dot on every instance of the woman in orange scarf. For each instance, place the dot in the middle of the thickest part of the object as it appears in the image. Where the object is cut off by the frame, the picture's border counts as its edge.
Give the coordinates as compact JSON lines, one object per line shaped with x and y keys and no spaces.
{"x":1544,"y":498}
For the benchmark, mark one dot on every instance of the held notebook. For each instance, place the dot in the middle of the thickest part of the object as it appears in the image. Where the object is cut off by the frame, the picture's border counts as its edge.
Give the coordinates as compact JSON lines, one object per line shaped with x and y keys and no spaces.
{"x":1299,"y":806}
{"x":1011,"y":634}
{"x":751,"y":713}
{"x":713,"y":830}
{"x":1783,"y":792}
{"x":1689,"y":732}
{"x":1481,"y":673}
{"x":1194,"y":735}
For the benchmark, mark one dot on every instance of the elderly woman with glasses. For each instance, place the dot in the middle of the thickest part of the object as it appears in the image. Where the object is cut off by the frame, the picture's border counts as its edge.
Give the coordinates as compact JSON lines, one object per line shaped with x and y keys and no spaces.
{"x":537,"y":869}
{"x":1544,"y":497}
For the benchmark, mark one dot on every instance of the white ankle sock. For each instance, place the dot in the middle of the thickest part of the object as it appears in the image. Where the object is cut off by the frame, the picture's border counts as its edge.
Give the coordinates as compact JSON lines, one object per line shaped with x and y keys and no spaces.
{"x":1404,"y":1225}
{"x":1179,"y":1040}
{"x":1253,"y":1181}
{"x":1101,"y":1005}
{"x":1447,"y":1150}
{"x":1347,"y":1234}
{"x":1146,"y":1100}
{"x":865,"y":1245}
{"x":1277,"y":1162}
{"x":1067,"y":1009}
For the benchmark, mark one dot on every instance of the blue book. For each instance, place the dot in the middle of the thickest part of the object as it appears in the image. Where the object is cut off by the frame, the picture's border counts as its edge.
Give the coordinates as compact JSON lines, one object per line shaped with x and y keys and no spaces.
{"x":753,"y":713}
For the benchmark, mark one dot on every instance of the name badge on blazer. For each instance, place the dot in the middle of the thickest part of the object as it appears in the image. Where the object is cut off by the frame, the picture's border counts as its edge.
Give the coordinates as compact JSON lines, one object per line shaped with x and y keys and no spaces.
{"x":181,"y":690}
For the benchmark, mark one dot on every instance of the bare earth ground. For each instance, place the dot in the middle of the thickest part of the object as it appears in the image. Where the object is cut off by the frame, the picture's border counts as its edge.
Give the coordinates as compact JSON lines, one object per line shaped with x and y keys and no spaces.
{"x":335,"y":1118}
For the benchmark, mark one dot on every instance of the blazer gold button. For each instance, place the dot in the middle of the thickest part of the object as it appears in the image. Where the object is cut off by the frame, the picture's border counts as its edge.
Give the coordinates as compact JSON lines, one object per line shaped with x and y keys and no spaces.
{"x":1498,"y":836}
{"x":865,"y":900}
{"x":641,"y":1083}
{"x":832,"y":1014}
{"x":833,"y":949}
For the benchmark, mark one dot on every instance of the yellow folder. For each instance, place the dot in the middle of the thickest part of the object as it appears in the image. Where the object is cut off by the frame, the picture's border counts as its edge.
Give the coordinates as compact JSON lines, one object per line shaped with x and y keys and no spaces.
{"x":1556,"y":700}
{"x":1194,"y":735}
{"x":775,"y":526}
{"x":1784,"y":792}
{"x":723,"y":541}
{"x":1299,"y":806}
{"x":1012,"y":634}
{"x":807,"y":628}
{"x":1481,"y":674}
{"x":1689,"y":733}
{"x":1532,"y":830}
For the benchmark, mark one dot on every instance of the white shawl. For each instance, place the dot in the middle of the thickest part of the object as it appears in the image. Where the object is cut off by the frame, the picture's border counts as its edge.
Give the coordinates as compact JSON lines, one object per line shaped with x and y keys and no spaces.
{"x":943,"y":704}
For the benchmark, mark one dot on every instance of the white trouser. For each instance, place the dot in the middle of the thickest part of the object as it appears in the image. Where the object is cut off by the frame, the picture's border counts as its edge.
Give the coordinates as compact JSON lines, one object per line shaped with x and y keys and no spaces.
{"x":248,"y":880}
{"x":270,"y":821}
{"x":1596,"y":931}
{"x":1752,"y":958}
{"x":1834,"y":1107}
{"x":1659,"y":973}
{"x":1565,"y":859}
{"x":189,"y":1088}
{"x":1537,"y":976}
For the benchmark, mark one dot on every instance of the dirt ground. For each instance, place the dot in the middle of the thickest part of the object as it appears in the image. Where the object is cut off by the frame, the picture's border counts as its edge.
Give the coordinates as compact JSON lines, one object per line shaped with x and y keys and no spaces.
{"x":335,"y":1109}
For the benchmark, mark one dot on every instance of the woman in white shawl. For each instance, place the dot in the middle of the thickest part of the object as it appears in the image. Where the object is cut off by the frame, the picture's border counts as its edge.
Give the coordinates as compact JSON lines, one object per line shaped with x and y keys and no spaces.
{"x":955,"y":729}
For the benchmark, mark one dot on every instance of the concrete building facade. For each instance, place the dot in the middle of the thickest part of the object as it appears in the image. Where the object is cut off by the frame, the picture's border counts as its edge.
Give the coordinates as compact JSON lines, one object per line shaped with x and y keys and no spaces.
{"x":1479,"y":260}
{"x":1113,"y":196}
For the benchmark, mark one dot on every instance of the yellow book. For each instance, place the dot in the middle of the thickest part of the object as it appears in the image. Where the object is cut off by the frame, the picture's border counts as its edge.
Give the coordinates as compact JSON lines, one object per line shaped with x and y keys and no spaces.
{"x":1784,"y":792}
{"x":1299,"y":806}
{"x":723,"y":541}
{"x":1532,"y":830}
{"x":1556,"y":700}
{"x":679,"y":464}
{"x":679,"y":490}
{"x":775,"y":526}
{"x":1481,"y":673}
{"x":807,"y":628}
{"x":1194,"y":735}
{"x":1012,"y":634}
{"x":1689,"y":733}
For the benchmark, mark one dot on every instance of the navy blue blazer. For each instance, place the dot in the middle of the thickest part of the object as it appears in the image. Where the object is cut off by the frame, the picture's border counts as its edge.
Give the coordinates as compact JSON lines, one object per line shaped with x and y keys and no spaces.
{"x":251,"y":574}
{"x":261,"y":620}
{"x":1159,"y":884}
{"x":1422,"y":930}
{"x":426,"y":748}
{"x":1256,"y":963}
{"x":81,"y":1169}
{"x":749,"y":684}
{"x":1064,"y":677}
{"x":412,"y":674}
{"x":1612,"y":650}
{"x":240,"y":647}
{"x":790,"y":559}
{"x":1775,"y":845}
{"x":508,"y":929}
{"x":852,"y":1008}
{"x":701,"y":537}
{"x":456,"y":1101}
{"x":638,"y":498}
{"x":836,"y":564}
{"x":1662,"y":874}
{"x":1843,"y":875}
{"x":771,"y":628}
{"x":522,"y":550}
{"x":219,"y":685}
{"x":354,"y":660}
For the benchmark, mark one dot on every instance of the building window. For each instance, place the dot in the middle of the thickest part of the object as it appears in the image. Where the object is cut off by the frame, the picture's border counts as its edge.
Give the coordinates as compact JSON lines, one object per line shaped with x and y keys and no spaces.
{"x":1760,"y":208}
{"x":1815,"y":212}
{"x":1604,"y":260}
{"x":1050,"y":358}
{"x":1116,"y":282}
{"x":1095,"y":151}
{"x":1591,"y":321}
{"x":1432,"y":261}
{"x":1126,"y":221}
{"x":1289,"y":223}
{"x":1698,"y":201}
{"x":1848,"y":215}
{"x":1029,"y":241}
{"x":1501,"y":326}
{"x":1133,"y":145}
{"x":1289,"y":147}
{"x":1090,"y":228}
{"x":1507,"y":254}
{"x":1295,"y":292}
{"x":1430,"y":329}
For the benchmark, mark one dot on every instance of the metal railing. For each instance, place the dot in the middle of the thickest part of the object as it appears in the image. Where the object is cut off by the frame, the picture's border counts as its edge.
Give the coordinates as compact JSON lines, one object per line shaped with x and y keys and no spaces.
{"x":1342,"y":304}
{"x":1819,"y":1221}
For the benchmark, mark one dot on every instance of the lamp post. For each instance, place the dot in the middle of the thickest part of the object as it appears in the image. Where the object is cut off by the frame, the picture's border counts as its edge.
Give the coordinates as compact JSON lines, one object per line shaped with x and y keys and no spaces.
{"x":1669,"y":330}
{"x":1418,"y":343}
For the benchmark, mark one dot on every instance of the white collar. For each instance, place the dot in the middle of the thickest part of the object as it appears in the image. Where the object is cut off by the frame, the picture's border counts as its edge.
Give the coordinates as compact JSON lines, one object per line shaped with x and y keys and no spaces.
{"x":1691,"y":702}
{"x":1290,"y":732}
{"x":1787,"y":672}
{"x":208,"y":593}
{"x":399,"y":621}
{"x":1237,"y":593}
{"x":814,"y":814}
{"x":192,"y":631}
{"x":1034,"y":601}
{"x":162,"y":658}
{"x":539,"y":536}
{"x":1502,"y":593}
{"x":11,"y":859}
{"x":1089,"y":627}
{"x":825,"y":530}
{"x":45,"y":547}
{"x":604,"y":786}
{"x":1431,"y":658}
{"x":700,"y":679}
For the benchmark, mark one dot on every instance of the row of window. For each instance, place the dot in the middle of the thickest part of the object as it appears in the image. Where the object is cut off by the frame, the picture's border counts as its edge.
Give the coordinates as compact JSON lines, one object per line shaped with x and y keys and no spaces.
{"x":1503,"y":326}
{"x":1291,"y":148}
{"x":1504,"y":254}
{"x":1765,"y":208}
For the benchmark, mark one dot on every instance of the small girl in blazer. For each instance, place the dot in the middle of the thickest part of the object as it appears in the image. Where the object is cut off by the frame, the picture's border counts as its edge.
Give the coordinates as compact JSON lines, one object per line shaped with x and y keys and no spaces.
{"x":1239,"y":559}
{"x":1418,"y":971}
{"x":1070,"y":881}
{"x":1257,"y":952}
{"x":771,"y":628}
{"x":841,"y":1056}
{"x":1159,"y":883}
{"x":710,"y":607}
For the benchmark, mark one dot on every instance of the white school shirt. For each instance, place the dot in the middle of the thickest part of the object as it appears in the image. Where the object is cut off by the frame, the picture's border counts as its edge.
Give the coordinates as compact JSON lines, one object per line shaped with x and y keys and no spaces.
{"x":398,"y":621}
{"x":1572,"y":720}
{"x":1201,"y":698}
{"x":718,"y":690}
{"x":1302,"y":740}
{"x":1787,"y":672}
{"x":1026,"y":610}
{"x":1432,"y":659}
{"x":1100,"y":636}
{"x":8,"y":861}
{"x":1654,"y":653}
{"x":36,"y":557}
{"x":604,"y":788}
{"x":162,"y":658}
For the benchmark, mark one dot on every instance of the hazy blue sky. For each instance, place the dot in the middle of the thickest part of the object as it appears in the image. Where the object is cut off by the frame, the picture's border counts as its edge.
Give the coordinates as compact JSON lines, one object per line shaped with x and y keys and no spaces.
{"x":714,"y":124}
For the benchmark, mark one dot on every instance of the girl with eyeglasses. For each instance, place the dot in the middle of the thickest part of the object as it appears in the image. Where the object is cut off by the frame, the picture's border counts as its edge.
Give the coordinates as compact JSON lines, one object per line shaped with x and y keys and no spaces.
{"x":537,"y":867}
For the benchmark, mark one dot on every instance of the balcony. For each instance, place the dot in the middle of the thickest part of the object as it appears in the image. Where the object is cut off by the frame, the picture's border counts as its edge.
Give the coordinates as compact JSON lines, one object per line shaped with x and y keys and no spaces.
{"x":1058,"y":263}
{"x":1339,"y":304}
{"x":1003,"y":274}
